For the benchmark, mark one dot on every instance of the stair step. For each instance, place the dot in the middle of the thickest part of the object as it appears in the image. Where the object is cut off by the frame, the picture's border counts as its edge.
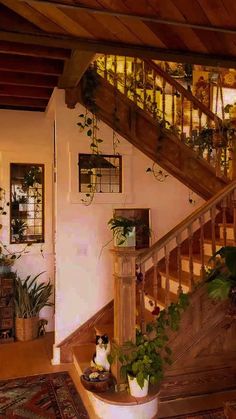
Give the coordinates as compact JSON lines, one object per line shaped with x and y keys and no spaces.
{"x":219,"y":244}
{"x":160,"y":302}
{"x":229,"y":231}
{"x":174,"y":281}
{"x":196,"y":263}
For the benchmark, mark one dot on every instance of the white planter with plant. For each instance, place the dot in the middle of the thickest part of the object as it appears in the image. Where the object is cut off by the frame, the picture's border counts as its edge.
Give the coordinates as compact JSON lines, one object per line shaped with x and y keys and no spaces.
{"x":135,"y":389}
{"x":124,"y":231}
{"x":29,"y":299}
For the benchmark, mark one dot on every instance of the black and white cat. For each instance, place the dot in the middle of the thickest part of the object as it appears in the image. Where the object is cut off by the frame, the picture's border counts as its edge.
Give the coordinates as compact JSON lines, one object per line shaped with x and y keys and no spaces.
{"x":103,"y":349}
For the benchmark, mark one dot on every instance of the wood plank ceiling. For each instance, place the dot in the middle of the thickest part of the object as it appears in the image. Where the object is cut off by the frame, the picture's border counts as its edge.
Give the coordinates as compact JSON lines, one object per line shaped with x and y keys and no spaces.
{"x":48,"y":43}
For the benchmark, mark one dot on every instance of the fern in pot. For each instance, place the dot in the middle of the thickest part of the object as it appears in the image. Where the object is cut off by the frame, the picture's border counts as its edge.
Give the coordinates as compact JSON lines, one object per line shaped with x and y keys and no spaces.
{"x":30,"y":297}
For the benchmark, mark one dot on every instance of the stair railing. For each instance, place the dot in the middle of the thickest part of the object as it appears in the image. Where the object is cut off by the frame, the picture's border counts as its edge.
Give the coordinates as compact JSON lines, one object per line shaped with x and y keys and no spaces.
{"x":166,"y":254}
{"x":170,"y":103}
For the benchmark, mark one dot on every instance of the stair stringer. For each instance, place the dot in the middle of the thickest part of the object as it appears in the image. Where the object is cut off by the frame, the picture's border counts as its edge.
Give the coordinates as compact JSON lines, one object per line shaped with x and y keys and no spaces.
{"x":204,"y":350}
{"x":146,"y":134}
{"x":103,"y":320}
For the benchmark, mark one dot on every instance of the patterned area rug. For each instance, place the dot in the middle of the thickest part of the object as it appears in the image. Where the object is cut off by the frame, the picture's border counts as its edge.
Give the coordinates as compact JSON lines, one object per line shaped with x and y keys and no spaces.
{"x":42,"y":396}
{"x":206,"y":414}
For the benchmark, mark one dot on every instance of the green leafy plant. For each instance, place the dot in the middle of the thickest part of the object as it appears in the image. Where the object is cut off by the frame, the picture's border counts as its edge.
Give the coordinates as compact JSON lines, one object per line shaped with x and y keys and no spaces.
{"x":221,"y":280}
{"x":121,"y":227}
{"x":18,"y":228}
{"x":150,"y":353}
{"x":31,"y":297}
{"x":32,"y":177}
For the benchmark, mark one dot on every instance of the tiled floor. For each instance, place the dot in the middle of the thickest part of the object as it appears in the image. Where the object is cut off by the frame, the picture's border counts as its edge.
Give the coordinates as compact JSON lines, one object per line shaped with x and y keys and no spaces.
{"x":20,"y":359}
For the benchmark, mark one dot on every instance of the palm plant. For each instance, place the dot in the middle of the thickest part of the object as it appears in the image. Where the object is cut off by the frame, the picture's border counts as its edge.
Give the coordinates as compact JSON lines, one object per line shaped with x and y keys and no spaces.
{"x":31,"y":297}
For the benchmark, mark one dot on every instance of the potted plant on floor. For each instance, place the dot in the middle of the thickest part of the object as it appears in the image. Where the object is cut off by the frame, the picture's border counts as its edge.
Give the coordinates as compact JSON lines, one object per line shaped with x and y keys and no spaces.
{"x":30,"y":297}
{"x":143,"y":362}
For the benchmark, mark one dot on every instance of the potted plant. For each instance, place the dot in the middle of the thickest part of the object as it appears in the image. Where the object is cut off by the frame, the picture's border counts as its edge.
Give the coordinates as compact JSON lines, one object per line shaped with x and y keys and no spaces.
{"x":30,"y":297}
{"x":221,"y":280}
{"x":18,"y":229}
{"x":124,"y":230}
{"x":143,"y":362}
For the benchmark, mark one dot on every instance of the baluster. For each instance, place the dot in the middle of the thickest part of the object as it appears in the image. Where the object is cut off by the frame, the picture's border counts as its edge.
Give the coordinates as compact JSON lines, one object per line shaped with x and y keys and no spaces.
{"x":225,"y":162}
{"x":190,"y":241}
{"x":213,"y":229}
{"x":144,"y":86}
{"x":179,"y":267}
{"x":202,"y":252}
{"x":199,"y":120}
{"x":173,"y":106}
{"x":153,"y":107}
{"x":105,"y":67}
{"x":142,"y":303}
{"x":182,"y":115}
{"x":135,"y":81}
{"x":156,"y":276}
{"x":167,"y":287}
{"x":115,"y":71}
{"x":163,"y":99}
{"x":125,"y":76}
{"x":234,"y":214}
{"x":191,"y":120}
{"x":224,"y":221}
{"x":218,"y":161}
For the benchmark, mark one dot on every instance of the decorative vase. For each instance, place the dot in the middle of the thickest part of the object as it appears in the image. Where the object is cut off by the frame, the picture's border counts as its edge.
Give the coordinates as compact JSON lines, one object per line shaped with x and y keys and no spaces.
{"x":135,"y":389}
{"x":26,"y":329}
{"x":129,"y":241}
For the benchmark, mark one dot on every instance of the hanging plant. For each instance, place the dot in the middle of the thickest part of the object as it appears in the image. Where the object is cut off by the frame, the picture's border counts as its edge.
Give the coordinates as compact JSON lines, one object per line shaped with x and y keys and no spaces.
{"x":3,"y":202}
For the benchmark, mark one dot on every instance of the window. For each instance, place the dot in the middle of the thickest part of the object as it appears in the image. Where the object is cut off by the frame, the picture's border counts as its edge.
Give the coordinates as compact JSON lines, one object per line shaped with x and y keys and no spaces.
{"x":100,"y":173}
{"x":26,"y":203}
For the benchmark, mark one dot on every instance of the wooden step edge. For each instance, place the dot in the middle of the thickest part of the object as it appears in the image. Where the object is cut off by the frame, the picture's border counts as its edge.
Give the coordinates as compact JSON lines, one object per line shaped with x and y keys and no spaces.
{"x":220,"y":241}
{"x":174,"y":277}
{"x":196,"y":258}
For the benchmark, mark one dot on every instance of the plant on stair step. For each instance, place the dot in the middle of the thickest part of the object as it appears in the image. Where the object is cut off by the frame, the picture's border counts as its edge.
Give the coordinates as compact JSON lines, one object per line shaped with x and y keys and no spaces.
{"x":146,"y":358}
{"x":221,"y":280}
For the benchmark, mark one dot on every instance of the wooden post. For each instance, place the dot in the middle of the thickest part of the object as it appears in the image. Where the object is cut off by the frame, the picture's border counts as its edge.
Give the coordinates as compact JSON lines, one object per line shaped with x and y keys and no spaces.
{"x":124,"y":300}
{"x":233,"y":158}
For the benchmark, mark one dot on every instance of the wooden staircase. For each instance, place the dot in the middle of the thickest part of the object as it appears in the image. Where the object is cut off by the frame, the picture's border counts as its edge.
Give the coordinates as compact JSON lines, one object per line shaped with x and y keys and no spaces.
{"x":148,"y":108}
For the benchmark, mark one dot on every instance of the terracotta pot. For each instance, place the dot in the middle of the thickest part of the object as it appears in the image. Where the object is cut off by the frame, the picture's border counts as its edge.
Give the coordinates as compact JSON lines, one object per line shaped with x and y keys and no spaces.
{"x":26,"y":329}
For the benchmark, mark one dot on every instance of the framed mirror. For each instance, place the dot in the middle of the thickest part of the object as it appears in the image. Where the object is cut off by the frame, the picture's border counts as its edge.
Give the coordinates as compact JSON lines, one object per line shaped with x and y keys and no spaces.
{"x":26,"y":203}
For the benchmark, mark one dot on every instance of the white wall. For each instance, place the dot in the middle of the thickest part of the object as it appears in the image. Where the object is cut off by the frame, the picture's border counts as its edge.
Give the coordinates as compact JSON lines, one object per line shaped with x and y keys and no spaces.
{"x":84,"y":277}
{"x":27,"y":137}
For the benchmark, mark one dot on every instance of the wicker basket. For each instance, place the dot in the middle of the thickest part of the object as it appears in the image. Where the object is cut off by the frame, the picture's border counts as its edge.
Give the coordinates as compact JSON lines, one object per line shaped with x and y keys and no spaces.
{"x":26,"y":329}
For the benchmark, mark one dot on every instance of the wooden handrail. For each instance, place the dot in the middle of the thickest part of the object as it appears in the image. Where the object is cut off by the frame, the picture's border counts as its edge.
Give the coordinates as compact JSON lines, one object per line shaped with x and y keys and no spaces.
{"x":183,"y":91}
{"x":183,"y":225}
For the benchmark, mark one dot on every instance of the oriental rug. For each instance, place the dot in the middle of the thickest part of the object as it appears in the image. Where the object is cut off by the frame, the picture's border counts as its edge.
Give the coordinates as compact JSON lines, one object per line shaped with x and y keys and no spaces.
{"x":206,"y":414}
{"x":51,"y":396}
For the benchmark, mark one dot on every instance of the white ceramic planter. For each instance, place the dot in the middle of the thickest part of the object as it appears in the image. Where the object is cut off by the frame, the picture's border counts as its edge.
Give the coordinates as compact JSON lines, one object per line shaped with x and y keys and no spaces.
{"x":130,"y":239}
{"x":135,"y":389}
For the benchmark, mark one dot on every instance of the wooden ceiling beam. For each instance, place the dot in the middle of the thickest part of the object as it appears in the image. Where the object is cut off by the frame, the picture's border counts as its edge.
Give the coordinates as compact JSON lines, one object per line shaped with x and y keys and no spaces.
{"x":120,"y":13}
{"x":19,"y":79}
{"x":108,"y":47}
{"x":32,"y":65}
{"x":23,"y":102}
{"x":25,"y":91}
{"x":34,"y":50}
{"x":74,"y":68}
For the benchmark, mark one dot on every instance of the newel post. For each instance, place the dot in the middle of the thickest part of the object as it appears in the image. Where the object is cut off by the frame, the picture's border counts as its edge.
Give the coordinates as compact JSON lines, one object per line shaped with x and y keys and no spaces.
{"x":124,"y":259}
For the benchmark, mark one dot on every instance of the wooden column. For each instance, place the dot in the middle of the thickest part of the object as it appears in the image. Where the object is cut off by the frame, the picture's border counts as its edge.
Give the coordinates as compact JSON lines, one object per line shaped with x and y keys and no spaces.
{"x":233,"y":158}
{"x":124,"y":300}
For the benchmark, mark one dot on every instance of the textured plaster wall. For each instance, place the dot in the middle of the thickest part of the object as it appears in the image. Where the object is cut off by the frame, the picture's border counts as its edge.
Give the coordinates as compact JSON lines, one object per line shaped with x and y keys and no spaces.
{"x":84,"y":276}
{"x":27,"y":137}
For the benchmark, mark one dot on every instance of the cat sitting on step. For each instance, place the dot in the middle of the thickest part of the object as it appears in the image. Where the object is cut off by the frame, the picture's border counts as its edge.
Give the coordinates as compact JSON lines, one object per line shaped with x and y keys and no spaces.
{"x":103,"y":349}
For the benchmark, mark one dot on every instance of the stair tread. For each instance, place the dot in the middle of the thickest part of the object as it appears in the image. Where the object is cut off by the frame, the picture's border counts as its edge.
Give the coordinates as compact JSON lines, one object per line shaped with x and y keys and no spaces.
{"x":196,"y":258}
{"x":220,"y":241}
{"x":184,"y":276}
{"x":161,"y":296}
